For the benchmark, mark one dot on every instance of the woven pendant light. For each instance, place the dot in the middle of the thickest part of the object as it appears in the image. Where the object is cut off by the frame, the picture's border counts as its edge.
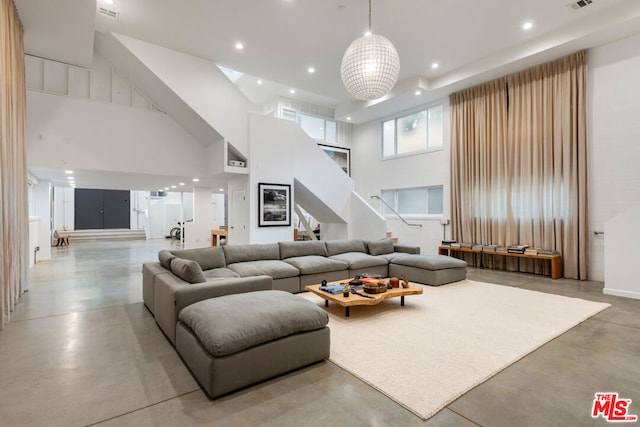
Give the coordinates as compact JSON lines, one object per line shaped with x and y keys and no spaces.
{"x":370,"y":66}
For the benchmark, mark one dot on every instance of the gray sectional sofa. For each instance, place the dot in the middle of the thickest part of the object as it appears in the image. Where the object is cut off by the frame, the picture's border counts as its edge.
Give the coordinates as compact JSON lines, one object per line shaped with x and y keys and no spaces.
{"x":225,"y":311}
{"x":183,"y":277}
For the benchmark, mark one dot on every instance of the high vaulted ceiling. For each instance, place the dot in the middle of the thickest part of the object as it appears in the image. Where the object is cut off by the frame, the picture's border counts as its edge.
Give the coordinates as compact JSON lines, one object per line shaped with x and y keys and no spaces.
{"x":471,"y":40}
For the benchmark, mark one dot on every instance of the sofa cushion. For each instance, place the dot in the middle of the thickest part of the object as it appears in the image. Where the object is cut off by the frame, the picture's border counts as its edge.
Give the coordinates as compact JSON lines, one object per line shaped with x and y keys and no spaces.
{"x":313,"y":264}
{"x":188,"y":270}
{"x":165,"y":258}
{"x":229,"y":324}
{"x":275,"y":268}
{"x":252,"y":252}
{"x":358,"y":260}
{"x":223,"y":272}
{"x":298,"y":249}
{"x":380,"y":247}
{"x":429,"y":262}
{"x":390,"y":257}
{"x":335,"y":247}
{"x":208,"y":258}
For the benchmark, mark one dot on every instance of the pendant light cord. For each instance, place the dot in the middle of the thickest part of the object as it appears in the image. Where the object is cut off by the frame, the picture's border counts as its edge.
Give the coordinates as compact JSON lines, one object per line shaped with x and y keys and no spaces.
{"x":369,"y":15}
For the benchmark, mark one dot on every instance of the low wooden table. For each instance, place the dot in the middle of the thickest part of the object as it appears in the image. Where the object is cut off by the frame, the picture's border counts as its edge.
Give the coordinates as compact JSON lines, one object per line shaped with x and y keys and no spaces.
{"x":353,"y":299}
{"x":556,"y":260}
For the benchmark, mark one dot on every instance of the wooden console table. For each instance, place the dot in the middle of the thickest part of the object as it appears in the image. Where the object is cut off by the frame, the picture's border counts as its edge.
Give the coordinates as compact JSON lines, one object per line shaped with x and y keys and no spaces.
{"x":556,"y":260}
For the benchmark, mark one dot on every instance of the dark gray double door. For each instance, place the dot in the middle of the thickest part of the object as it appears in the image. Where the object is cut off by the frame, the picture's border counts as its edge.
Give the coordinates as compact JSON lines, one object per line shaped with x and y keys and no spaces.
{"x":102,"y":209}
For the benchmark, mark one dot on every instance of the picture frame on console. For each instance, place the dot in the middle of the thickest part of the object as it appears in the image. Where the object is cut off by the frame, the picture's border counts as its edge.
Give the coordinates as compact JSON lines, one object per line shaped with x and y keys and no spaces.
{"x":274,"y":205}
{"x":340,"y":155}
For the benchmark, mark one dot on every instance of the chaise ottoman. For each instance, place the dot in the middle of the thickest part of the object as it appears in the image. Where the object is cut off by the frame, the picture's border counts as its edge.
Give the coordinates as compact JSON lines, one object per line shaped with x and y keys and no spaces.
{"x":237,"y":340}
{"x":434,"y":270}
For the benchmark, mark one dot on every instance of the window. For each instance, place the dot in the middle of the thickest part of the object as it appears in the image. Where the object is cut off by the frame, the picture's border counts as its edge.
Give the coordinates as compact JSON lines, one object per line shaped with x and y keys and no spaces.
{"x":414,"y":132}
{"x":318,"y":127}
{"x":419,"y":201}
{"x":289,"y":115}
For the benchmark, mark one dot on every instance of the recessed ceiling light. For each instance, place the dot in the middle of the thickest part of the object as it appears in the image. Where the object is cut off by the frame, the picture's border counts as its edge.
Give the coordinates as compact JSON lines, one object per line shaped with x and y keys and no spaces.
{"x":348,"y":118}
{"x":196,"y":179}
{"x":418,"y":92}
{"x":220,"y":189}
{"x":70,"y":178}
{"x":173,"y":186}
{"x":182,"y":183}
{"x":527,"y":25}
{"x":435,"y":65}
{"x":166,"y":188}
{"x":109,"y":1}
{"x":68,"y":172}
{"x":259,"y":82}
{"x":292,"y":91}
{"x":311,"y":70}
{"x":239,"y":46}
{"x":160,"y":189}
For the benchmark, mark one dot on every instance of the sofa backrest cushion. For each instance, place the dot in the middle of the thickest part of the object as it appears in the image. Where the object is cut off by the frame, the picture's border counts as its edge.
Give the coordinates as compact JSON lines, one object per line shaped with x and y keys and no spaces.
{"x":188,"y":270}
{"x":165,"y":258}
{"x":252,"y":252}
{"x":335,"y":247}
{"x":208,"y":258}
{"x":296,"y":249}
{"x":380,"y":247}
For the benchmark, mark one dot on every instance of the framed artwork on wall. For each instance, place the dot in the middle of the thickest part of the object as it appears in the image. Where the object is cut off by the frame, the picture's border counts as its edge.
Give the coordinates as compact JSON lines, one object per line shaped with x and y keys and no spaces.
{"x":274,"y":205}
{"x":340,"y":155}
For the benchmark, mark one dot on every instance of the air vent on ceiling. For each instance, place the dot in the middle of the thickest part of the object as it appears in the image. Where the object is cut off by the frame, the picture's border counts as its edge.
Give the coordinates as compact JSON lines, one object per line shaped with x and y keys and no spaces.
{"x":109,"y":13}
{"x":580,"y":4}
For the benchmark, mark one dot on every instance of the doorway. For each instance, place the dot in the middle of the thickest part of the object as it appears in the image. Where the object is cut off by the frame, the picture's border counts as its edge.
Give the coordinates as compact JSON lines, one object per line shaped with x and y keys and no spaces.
{"x":102,"y":209}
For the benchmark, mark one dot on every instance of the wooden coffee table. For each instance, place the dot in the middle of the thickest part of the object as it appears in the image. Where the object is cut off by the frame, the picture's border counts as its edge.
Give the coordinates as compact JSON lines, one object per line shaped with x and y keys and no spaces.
{"x":353,"y":299}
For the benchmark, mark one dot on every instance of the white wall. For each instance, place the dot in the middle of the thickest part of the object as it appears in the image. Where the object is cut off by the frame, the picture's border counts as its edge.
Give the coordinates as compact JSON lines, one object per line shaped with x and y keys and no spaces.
{"x":63,"y":208}
{"x":372,"y":175}
{"x":614,"y":144}
{"x":271,"y":161}
{"x":165,"y":213}
{"x":622,"y":235}
{"x":42,"y":201}
{"x":72,"y":133}
{"x":200,"y":84}
{"x":281,"y":153}
{"x":198,"y":232}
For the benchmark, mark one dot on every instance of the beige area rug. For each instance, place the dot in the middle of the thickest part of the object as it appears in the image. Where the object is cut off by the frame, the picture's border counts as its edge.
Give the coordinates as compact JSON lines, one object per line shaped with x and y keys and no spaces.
{"x":450,"y":339}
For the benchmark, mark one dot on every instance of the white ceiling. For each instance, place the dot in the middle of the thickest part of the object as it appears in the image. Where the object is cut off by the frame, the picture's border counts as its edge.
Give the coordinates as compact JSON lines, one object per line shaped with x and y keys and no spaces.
{"x":472,"y":40}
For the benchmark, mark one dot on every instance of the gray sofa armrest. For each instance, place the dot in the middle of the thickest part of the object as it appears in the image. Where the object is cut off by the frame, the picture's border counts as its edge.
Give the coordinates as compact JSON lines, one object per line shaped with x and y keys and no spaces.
{"x":149,"y":272}
{"x":170,"y":289}
{"x":407,"y":249}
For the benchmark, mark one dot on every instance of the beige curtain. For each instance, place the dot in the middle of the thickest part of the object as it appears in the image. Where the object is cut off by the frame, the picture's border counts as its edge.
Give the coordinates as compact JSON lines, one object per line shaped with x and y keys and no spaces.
{"x":14,"y":238}
{"x":478,"y":172}
{"x":519,"y":164}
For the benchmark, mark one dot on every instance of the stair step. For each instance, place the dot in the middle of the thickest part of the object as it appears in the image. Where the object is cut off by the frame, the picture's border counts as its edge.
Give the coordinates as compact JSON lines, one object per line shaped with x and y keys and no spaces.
{"x":115,"y":234}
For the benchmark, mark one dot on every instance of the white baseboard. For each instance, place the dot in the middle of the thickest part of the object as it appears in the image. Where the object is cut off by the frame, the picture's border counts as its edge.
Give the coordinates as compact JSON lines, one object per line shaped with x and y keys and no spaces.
{"x":619,"y":293}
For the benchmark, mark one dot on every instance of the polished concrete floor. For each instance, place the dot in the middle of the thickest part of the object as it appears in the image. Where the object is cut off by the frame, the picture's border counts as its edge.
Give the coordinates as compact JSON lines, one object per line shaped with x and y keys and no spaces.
{"x":82,"y":350}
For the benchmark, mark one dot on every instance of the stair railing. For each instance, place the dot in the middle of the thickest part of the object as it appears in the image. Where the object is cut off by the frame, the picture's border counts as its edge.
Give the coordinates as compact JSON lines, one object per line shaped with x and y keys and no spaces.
{"x":396,"y":213}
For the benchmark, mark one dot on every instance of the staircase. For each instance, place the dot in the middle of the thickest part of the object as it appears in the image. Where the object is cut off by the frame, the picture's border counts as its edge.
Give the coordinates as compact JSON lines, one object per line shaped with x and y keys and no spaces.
{"x":78,"y":236}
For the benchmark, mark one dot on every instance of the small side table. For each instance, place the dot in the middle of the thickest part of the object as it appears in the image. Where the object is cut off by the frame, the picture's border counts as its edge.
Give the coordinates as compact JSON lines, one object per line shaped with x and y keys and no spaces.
{"x":217,"y":234}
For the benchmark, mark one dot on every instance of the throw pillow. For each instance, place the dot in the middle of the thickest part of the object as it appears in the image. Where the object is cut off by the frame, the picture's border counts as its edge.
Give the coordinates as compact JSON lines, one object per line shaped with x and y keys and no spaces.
{"x":188,"y":270}
{"x":380,"y":247}
{"x":165,"y":258}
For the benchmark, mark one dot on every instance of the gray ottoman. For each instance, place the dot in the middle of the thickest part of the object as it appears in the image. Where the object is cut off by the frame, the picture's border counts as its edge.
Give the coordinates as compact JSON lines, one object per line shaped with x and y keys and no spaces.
{"x":237,"y":340}
{"x":434,"y":270}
